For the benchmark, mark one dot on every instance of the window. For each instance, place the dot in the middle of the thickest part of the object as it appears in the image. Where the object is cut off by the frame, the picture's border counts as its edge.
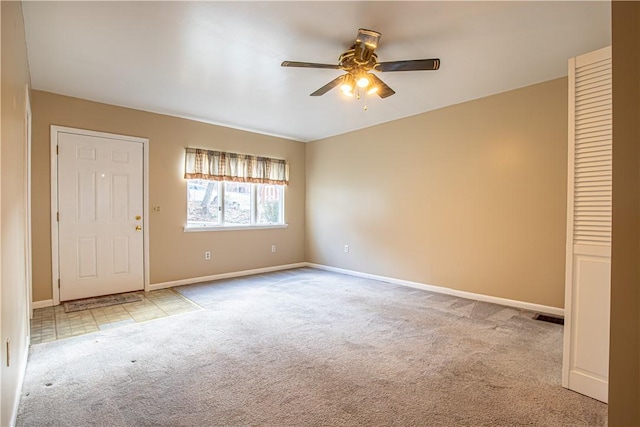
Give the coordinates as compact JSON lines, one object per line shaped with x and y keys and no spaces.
{"x":233,"y":204}
{"x":234,"y":190}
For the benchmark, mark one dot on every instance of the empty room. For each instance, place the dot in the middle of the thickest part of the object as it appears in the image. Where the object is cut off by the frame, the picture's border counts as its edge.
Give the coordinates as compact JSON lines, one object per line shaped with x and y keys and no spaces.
{"x":293,"y":213}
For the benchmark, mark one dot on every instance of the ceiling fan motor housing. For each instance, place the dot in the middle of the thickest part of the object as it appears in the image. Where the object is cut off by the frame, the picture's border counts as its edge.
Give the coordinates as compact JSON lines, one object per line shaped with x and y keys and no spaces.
{"x":350,"y":61}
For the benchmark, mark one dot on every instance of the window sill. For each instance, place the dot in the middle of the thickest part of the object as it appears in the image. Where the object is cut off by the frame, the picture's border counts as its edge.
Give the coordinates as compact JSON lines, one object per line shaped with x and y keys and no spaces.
{"x":234,"y":227}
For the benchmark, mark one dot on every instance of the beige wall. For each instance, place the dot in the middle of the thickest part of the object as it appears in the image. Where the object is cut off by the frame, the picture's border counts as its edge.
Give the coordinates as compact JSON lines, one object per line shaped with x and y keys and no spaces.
{"x":470,"y":197}
{"x":174,"y":254}
{"x":624,"y":360}
{"x":13,"y":286}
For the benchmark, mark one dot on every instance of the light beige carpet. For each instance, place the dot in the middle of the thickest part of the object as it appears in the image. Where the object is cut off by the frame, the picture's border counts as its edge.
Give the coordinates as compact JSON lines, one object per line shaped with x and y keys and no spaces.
{"x":310,"y":348}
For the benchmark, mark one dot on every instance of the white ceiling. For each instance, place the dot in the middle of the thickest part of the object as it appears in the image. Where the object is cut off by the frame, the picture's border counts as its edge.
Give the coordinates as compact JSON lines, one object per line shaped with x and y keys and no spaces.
{"x":219,"y":62}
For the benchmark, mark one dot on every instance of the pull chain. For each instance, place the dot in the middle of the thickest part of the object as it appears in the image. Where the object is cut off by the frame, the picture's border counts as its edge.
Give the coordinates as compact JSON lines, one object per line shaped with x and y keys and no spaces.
{"x":365,"y":107}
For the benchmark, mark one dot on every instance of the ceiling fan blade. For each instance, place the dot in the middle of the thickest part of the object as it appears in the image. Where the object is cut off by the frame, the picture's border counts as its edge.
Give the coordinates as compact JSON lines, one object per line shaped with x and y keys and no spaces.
{"x":309,"y":65}
{"x":412,"y":65}
{"x":326,"y":88}
{"x":383,"y":90}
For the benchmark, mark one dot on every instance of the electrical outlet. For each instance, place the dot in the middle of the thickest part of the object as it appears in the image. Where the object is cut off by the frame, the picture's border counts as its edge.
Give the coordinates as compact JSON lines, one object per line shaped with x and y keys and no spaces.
{"x":273,"y":249}
{"x":346,"y":249}
{"x":207,"y":255}
{"x":155,"y":208}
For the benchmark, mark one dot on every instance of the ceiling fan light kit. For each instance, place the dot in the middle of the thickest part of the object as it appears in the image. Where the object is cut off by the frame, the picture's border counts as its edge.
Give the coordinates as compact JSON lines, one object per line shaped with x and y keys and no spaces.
{"x":348,"y":84}
{"x":359,"y":62}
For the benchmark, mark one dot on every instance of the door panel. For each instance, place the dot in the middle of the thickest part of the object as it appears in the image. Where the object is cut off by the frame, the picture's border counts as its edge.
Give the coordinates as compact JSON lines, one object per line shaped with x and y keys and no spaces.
{"x":121,"y":255}
{"x":100,"y":195}
{"x":589,"y":366}
{"x":87,"y":257}
{"x":585,"y":366}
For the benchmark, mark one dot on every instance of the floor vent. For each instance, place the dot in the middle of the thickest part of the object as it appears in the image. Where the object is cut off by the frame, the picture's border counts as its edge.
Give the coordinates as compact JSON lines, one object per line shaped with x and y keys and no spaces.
{"x":550,"y":319}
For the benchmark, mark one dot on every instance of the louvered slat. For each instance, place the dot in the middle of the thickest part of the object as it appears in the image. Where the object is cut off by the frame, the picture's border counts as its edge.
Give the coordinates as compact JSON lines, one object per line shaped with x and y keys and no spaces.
{"x":586,"y":108}
{"x":590,"y":149}
{"x":587,"y":68}
{"x":601,"y":117}
{"x":592,"y":154}
{"x":594,"y":130}
{"x":601,"y":93}
{"x":585,"y":143}
{"x":599,"y":225}
{"x":588,"y":180}
{"x":594,"y":81}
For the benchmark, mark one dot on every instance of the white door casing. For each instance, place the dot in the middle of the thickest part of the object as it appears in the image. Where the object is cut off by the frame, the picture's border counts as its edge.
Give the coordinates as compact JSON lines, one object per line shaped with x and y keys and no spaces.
{"x":585,"y":365}
{"x":28,"y":247}
{"x":99,"y":213}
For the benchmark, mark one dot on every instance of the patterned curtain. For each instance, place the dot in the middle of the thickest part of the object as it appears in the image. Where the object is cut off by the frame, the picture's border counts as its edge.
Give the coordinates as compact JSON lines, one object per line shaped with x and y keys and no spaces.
{"x":221,"y":166}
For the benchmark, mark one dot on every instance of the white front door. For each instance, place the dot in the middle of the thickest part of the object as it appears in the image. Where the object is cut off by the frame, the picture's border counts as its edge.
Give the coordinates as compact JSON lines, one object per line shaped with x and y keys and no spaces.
{"x":100,"y":223}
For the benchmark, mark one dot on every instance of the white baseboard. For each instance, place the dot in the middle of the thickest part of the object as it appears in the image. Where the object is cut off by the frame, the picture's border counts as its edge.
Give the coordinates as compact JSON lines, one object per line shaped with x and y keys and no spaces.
{"x":213,"y":277}
{"x":448,"y":291}
{"x":439,"y":289}
{"x":42,"y":304}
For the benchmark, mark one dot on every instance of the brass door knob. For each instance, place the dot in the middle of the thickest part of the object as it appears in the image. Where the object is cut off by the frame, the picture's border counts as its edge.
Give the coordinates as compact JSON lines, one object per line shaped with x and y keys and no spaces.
{"x":138,"y":228}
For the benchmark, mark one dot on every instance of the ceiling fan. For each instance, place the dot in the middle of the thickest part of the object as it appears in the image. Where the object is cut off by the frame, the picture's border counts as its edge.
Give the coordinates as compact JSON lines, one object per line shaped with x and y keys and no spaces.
{"x":359,"y":62}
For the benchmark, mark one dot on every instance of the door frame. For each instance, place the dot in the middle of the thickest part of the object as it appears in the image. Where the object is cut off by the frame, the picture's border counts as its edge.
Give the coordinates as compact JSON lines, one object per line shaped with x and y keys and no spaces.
{"x":27,"y":195}
{"x":55,"y":262}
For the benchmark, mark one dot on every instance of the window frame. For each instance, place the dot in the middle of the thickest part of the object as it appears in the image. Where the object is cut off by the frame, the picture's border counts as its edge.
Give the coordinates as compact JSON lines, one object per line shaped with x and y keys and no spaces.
{"x":253,"y":202}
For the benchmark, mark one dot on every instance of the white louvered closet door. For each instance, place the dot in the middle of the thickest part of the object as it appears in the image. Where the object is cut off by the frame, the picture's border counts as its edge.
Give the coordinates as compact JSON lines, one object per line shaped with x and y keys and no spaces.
{"x":588,"y":270}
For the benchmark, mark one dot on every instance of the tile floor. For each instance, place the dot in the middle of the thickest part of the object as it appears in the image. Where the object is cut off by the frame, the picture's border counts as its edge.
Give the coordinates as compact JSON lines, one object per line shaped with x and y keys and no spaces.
{"x":52,"y":323}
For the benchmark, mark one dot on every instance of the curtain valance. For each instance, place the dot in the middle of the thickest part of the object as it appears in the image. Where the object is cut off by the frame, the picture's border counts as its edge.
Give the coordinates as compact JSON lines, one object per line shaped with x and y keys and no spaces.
{"x":221,"y":166}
